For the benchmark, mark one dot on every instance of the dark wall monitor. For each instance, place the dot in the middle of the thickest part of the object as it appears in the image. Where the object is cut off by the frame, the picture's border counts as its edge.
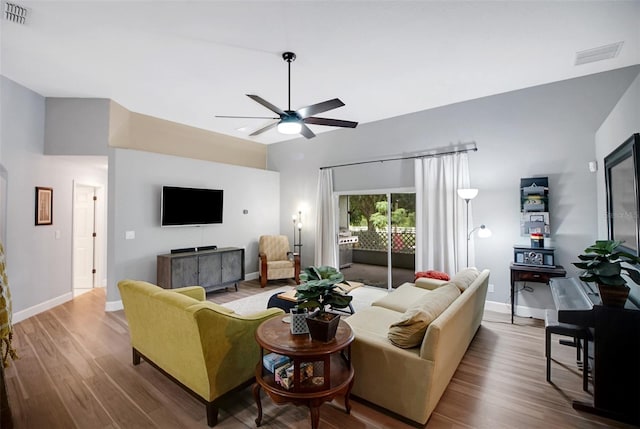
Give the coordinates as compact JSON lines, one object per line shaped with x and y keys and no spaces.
{"x":191,"y":206}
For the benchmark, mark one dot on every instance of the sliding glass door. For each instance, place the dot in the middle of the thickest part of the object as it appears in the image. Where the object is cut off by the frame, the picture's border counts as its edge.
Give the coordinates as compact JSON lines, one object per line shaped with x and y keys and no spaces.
{"x":376,"y":238}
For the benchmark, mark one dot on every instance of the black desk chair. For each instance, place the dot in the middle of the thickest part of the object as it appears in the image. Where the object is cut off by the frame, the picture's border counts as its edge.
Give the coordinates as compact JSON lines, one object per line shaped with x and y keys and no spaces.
{"x":580,"y":337}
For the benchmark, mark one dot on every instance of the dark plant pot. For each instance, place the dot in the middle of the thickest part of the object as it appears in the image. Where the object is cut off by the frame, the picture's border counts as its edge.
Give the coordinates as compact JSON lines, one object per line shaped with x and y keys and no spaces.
{"x":321,"y":329}
{"x":613,"y":296}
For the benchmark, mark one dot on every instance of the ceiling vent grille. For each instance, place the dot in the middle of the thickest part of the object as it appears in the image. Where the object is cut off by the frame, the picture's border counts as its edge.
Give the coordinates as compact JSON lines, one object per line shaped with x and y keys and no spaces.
{"x":15,"y":13}
{"x":600,"y":53}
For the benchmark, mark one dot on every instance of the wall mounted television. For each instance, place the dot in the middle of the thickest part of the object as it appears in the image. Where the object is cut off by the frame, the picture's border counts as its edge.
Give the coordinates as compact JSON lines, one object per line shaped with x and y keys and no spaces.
{"x":190,"y":206}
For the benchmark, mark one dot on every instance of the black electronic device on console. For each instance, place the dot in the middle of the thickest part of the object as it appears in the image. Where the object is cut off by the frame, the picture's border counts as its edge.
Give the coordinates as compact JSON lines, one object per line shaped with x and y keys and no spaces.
{"x":184,"y":250}
{"x":211,"y":247}
{"x":195,"y":249}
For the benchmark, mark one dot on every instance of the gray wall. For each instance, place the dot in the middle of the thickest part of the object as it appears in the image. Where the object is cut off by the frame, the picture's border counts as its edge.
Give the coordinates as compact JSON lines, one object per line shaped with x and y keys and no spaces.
{"x":135,"y":181}
{"x":76,"y":126}
{"x":39,"y":265}
{"x":547,"y":130}
{"x":38,"y":257}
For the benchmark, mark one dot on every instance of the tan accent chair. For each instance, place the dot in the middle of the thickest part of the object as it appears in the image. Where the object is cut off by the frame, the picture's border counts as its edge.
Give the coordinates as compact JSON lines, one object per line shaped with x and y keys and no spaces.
{"x":274,"y":259}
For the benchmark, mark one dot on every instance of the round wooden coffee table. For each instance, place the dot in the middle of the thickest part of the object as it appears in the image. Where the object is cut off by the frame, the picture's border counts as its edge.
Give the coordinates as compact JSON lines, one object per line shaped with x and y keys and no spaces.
{"x":318,"y":373}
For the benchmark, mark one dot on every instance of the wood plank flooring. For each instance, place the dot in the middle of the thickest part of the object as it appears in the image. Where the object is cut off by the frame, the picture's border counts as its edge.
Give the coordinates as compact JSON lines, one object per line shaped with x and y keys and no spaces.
{"x":75,"y":371}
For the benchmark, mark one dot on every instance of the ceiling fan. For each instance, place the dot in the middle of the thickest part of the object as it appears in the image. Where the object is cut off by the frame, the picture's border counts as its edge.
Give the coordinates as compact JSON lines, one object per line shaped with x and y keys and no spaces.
{"x":294,"y":121}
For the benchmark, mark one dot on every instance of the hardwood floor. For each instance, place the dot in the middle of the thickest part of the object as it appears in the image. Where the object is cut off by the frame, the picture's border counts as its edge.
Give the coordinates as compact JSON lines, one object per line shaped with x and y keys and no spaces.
{"x":75,"y":371}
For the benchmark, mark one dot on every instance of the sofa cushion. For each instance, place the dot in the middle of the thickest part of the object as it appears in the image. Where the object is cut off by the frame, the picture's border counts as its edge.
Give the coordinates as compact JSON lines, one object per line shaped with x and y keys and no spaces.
{"x":373,"y":321}
{"x":427,"y":283}
{"x":402,"y":298}
{"x":410,"y":329}
{"x":465,"y":277}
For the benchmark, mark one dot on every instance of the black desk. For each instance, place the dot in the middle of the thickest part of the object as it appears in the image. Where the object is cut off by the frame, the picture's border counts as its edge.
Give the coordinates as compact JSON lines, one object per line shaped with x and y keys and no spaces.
{"x":527,"y":273}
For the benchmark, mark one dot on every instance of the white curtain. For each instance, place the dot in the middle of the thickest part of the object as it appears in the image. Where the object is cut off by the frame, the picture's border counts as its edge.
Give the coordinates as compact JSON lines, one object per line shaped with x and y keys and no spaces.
{"x":326,"y":240}
{"x":441,"y":242}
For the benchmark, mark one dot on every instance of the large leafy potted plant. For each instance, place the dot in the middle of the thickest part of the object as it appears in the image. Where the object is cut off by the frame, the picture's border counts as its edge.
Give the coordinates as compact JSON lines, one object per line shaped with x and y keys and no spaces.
{"x":318,"y":290}
{"x":602,"y":264}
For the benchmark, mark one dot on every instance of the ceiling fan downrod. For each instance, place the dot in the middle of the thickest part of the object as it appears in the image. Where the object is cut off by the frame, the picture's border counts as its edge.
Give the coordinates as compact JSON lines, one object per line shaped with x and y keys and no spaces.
{"x":289,"y":57}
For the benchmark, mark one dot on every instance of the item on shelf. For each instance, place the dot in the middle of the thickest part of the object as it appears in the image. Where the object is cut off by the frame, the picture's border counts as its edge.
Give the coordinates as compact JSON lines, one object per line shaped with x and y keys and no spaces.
{"x":272,"y":361}
{"x":284,"y":375}
{"x":534,"y":206}
{"x":306,"y":371}
{"x":534,"y":189}
{"x":537,"y":257}
{"x":537,"y":240}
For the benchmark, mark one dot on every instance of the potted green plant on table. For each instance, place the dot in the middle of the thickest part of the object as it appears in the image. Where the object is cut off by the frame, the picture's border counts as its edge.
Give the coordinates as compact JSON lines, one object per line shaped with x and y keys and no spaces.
{"x":318,"y":289}
{"x":602,"y":264}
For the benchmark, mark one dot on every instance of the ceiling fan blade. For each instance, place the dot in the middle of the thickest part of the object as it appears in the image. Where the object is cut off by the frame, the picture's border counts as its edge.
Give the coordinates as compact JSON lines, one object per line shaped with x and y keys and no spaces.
{"x":331,"y":122}
{"x":245,"y":117}
{"x":305,"y":112}
{"x":266,"y":104}
{"x":306,"y":131}
{"x":263,"y":129}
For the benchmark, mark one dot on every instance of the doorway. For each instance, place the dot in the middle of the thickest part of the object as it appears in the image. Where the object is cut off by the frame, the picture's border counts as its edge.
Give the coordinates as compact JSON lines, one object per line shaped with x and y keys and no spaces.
{"x":377,"y":232}
{"x":87,"y":241}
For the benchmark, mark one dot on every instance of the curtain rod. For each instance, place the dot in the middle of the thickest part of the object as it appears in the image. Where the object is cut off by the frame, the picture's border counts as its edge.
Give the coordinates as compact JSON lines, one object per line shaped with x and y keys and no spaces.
{"x":472,"y":149}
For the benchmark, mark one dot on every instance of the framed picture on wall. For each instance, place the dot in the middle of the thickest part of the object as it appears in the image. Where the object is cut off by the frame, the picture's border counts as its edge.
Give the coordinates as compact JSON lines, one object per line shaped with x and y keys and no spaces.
{"x":623,"y":196}
{"x":44,"y":206}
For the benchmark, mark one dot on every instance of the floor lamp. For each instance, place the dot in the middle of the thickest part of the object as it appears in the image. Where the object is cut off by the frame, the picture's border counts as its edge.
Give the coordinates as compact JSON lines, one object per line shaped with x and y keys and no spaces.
{"x":467,"y":194}
{"x":297,"y":224}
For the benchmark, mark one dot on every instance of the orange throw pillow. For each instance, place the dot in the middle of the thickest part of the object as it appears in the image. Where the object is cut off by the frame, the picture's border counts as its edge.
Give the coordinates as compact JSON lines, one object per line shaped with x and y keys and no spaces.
{"x":432,"y":274}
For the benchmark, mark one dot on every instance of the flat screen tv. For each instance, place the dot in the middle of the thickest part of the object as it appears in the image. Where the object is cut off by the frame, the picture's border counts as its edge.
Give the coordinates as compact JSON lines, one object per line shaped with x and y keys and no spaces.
{"x":190,"y":206}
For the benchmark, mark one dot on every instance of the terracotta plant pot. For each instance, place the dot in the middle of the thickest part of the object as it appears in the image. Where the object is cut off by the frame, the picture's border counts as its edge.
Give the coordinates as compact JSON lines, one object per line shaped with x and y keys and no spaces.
{"x":323,"y":326}
{"x":613,"y":296}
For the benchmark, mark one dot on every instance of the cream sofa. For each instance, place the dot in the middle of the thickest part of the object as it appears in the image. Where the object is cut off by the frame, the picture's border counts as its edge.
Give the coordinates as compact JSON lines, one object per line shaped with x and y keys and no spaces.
{"x":410,"y":381}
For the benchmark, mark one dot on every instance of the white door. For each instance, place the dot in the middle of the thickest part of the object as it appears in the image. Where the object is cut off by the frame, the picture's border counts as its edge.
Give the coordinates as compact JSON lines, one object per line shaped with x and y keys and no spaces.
{"x":84,"y":269}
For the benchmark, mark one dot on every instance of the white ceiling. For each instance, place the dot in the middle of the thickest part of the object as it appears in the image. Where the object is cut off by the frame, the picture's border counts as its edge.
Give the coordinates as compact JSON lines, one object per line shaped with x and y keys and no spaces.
{"x":188,"y":61}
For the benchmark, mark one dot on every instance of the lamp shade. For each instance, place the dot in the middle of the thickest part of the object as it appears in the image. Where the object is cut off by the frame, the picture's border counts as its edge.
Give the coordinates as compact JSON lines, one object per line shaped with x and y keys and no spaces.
{"x":467,"y":193}
{"x":484,"y":232}
{"x":289,"y":126}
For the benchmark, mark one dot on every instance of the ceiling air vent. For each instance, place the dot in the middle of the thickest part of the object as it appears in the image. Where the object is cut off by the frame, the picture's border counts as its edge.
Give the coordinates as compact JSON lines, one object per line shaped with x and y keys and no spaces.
{"x":600,"y":53}
{"x":15,"y":13}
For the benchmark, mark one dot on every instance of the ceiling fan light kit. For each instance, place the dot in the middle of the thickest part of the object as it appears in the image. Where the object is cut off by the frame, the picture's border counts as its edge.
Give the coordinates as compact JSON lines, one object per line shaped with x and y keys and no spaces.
{"x":294,"y":121}
{"x":289,"y":126}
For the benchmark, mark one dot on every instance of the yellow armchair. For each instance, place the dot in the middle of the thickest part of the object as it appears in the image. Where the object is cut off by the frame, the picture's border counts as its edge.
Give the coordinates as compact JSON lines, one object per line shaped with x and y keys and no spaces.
{"x":275,"y":262}
{"x":207,"y":348}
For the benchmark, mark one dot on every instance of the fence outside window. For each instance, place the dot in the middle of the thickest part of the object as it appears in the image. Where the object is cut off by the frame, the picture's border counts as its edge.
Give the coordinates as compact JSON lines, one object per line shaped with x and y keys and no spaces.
{"x":403,"y":240}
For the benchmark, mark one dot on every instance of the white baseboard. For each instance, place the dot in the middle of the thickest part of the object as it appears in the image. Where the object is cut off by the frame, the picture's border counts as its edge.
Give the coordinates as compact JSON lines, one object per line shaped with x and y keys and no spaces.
{"x":536,"y":313}
{"x":252,"y":276}
{"x":19,"y":316}
{"x":498,"y":307}
{"x":521,"y":310}
{"x":113,"y":306}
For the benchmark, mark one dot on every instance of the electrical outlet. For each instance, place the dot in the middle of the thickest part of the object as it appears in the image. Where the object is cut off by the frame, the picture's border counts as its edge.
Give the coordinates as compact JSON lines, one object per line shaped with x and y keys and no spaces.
{"x":490,"y":287}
